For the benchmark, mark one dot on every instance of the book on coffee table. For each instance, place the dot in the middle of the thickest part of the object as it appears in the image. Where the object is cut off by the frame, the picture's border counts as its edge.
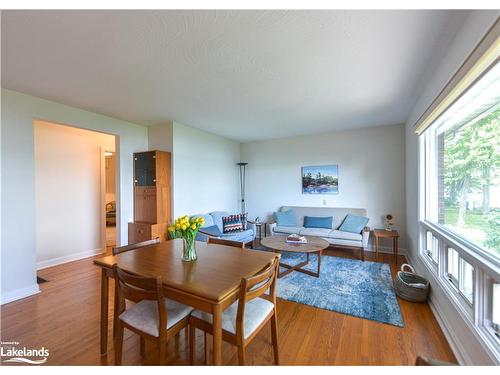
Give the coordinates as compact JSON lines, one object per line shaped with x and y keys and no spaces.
{"x":295,"y":238}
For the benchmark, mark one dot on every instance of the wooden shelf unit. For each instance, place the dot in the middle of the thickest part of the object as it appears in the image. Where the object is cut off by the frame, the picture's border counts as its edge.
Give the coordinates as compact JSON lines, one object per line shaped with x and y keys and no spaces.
{"x":152,"y":196}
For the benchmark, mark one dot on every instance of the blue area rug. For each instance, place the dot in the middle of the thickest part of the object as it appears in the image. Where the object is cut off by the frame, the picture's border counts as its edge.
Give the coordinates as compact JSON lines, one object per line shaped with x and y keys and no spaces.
{"x":349,"y":286}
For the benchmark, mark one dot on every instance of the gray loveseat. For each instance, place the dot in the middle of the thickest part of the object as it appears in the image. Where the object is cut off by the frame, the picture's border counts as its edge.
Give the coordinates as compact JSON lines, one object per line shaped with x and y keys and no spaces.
{"x":333,"y":235}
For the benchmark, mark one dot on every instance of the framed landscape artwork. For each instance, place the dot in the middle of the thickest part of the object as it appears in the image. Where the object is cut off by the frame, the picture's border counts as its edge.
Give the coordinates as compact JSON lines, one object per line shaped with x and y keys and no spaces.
{"x":322,"y":179}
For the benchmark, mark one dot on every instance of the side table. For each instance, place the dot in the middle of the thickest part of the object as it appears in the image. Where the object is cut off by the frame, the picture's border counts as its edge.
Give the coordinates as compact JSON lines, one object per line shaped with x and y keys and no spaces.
{"x":382,"y":233}
{"x":259,"y":226}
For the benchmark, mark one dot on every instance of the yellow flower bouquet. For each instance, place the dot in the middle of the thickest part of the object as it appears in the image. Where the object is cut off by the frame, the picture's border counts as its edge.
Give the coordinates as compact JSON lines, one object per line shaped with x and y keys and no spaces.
{"x":186,"y":228}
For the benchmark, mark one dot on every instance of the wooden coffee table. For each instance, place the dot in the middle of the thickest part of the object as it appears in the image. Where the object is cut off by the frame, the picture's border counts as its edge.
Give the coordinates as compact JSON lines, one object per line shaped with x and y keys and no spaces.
{"x":314,"y":245}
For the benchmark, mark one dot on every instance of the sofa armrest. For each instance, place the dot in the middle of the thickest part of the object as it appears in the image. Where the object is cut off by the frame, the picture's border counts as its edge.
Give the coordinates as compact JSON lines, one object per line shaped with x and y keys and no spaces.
{"x":203,"y":236}
{"x":271,"y":228}
{"x":252,"y":226}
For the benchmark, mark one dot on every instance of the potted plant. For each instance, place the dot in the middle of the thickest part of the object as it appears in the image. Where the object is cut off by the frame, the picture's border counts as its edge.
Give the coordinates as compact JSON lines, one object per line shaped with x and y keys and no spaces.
{"x":186,"y":228}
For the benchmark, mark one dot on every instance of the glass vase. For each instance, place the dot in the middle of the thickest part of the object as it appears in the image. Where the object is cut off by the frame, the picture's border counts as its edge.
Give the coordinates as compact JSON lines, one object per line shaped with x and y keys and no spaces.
{"x":189,"y":249}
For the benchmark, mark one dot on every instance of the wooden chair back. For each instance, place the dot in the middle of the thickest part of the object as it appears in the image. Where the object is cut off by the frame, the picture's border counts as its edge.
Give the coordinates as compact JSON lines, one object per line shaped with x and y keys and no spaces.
{"x":220,"y":241}
{"x":256,"y":286}
{"x":122,"y":249}
{"x":137,"y":288}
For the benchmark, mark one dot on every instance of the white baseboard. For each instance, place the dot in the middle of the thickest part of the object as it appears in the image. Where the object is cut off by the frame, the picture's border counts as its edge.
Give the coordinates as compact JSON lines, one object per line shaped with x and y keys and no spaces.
{"x":457,"y":349}
{"x":19,"y":293}
{"x":68,"y":258}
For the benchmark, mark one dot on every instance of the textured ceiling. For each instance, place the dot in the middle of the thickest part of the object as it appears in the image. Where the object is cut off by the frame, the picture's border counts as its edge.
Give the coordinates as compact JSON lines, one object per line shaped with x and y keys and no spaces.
{"x":246,"y":75}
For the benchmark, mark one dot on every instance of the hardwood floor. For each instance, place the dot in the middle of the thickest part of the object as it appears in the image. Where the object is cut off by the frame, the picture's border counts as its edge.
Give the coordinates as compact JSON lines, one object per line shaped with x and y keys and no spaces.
{"x":64,"y":318}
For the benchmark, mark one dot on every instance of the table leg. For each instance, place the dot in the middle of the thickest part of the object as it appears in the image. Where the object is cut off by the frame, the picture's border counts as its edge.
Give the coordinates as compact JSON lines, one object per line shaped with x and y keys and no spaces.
{"x":217,"y":335}
{"x":396,"y":247}
{"x":376,"y":246}
{"x":104,"y":311}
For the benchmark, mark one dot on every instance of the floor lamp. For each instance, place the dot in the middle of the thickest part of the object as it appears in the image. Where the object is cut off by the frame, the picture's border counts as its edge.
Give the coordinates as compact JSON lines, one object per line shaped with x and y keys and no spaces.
{"x":242,"y":185}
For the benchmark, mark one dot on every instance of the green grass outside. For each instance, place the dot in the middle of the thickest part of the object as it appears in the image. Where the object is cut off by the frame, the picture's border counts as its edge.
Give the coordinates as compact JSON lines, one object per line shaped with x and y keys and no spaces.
{"x":473,"y":219}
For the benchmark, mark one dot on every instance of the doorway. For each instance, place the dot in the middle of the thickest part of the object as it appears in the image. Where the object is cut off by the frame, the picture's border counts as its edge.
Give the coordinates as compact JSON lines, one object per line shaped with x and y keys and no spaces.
{"x":70,"y":192}
{"x":110,"y":198}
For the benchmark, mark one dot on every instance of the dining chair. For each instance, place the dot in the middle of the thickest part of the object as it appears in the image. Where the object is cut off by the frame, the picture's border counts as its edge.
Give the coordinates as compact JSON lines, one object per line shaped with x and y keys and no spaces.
{"x":221,"y":241}
{"x":122,"y":249}
{"x":244,"y":318}
{"x":154,"y":318}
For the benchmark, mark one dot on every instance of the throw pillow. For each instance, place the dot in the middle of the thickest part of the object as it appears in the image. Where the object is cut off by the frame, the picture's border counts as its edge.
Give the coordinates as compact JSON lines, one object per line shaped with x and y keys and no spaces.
{"x":231,"y":224}
{"x":353,"y":224}
{"x":318,"y":222}
{"x":285,"y":218}
{"x":244,"y":220}
{"x":213,"y":230}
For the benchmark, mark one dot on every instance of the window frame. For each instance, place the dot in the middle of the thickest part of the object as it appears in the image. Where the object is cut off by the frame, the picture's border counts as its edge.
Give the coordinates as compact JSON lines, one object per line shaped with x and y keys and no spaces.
{"x":486,"y":266}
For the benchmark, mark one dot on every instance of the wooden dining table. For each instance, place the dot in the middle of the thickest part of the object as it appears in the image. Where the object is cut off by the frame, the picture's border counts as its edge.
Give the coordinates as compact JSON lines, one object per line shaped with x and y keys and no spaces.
{"x":210,"y":283}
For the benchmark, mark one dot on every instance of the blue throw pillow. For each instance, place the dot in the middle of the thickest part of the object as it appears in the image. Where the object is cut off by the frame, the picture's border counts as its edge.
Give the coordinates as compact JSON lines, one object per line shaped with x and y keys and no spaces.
{"x":212,"y":230}
{"x":353,"y":224}
{"x":318,"y":222}
{"x":285,"y":218}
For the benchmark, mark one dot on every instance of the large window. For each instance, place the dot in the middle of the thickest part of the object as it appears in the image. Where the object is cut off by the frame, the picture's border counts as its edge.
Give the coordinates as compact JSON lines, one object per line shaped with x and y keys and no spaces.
{"x":460,"y":205}
{"x":463,"y":166}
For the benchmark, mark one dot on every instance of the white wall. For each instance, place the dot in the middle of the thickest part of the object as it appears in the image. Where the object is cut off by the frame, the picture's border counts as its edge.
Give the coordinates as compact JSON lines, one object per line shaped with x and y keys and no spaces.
{"x":206,"y":177}
{"x":371,"y":172}
{"x":18,"y":258}
{"x":68,"y":192}
{"x":160,"y":137}
{"x":466,"y":346}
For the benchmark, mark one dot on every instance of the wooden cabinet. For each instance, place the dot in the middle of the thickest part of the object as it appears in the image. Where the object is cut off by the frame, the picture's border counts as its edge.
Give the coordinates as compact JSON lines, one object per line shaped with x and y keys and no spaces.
{"x":138,"y":232}
{"x":152,"y":196}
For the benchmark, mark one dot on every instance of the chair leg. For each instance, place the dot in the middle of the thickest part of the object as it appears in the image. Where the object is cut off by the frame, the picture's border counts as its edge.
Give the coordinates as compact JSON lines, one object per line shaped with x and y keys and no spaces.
{"x":274,"y":335}
{"x":162,"y":352}
{"x":118,"y":343}
{"x":143,"y":346}
{"x":192,"y":343}
{"x":205,"y":347}
{"x":241,"y":355}
{"x":115,"y":309}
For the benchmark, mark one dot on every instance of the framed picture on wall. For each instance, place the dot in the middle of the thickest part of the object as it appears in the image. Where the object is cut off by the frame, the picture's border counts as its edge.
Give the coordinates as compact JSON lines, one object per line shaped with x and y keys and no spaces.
{"x":320,"y":179}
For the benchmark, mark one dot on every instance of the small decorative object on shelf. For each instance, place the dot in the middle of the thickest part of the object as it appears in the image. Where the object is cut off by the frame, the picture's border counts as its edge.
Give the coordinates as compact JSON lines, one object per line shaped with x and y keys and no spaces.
{"x":388,"y":222}
{"x":186,"y":229}
{"x":257,"y":220}
{"x":295,"y":238}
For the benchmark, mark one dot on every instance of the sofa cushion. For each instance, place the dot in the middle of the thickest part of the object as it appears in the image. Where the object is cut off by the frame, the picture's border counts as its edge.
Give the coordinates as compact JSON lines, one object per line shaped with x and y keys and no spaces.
{"x":285,"y":219}
{"x":213,"y":230}
{"x":288,"y":230}
{"x":318,"y":222}
{"x":243,"y":236}
{"x":353,"y":223}
{"x":217,"y":218}
{"x":345,"y":235}
{"x":338,"y":213}
{"x":315,"y":232}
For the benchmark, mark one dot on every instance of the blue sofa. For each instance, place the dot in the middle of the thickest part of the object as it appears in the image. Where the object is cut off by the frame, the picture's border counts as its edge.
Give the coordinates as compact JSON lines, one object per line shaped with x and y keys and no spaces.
{"x":215,"y":218}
